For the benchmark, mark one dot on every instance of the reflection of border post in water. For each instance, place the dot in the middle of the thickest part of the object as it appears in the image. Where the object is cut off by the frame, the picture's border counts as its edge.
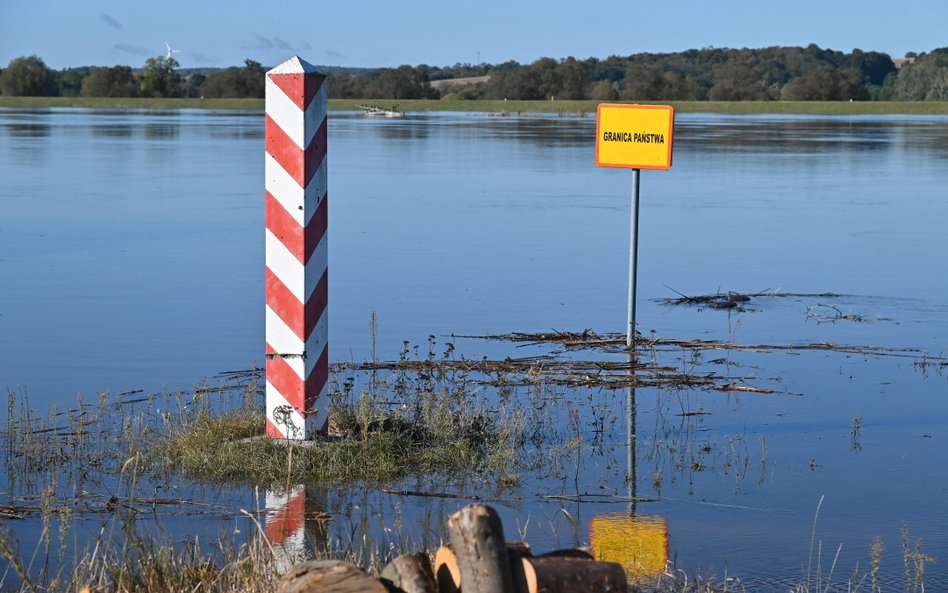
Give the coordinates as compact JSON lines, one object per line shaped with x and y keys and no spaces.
{"x":297,"y":336}
{"x":293,"y":525}
{"x":634,"y":137}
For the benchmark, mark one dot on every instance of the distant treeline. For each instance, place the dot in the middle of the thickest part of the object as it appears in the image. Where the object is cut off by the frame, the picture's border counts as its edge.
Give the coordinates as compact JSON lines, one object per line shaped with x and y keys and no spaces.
{"x":769,"y":74}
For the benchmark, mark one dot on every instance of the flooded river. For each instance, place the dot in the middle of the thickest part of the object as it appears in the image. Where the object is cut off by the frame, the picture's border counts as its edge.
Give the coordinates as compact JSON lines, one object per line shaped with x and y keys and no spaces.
{"x":131,"y":257}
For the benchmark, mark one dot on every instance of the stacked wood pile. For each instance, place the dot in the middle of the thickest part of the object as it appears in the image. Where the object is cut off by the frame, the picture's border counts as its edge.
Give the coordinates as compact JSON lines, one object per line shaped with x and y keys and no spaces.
{"x":478,"y":560}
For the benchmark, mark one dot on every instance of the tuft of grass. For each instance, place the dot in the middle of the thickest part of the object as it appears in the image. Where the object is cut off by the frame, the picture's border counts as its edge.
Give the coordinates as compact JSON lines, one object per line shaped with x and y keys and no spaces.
{"x":439,"y":434}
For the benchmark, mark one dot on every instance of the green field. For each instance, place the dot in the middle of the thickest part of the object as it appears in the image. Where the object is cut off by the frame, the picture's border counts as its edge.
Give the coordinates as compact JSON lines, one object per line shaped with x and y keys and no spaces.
{"x":506,"y":107}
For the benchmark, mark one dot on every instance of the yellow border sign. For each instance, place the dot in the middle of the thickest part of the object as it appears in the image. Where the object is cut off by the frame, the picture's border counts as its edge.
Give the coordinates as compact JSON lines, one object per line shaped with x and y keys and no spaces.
{"x":639,"y":544}
{"x":634,"y":136}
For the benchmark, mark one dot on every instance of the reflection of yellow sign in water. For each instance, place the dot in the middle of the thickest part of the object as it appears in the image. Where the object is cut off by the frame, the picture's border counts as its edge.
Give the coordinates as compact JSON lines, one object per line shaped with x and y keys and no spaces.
{"x":639,"y":544}
{"x":634,"y":136}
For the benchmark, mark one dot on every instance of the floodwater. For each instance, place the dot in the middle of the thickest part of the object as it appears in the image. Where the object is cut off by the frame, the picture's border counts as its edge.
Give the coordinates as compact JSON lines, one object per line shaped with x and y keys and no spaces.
{"x":131,"y":257}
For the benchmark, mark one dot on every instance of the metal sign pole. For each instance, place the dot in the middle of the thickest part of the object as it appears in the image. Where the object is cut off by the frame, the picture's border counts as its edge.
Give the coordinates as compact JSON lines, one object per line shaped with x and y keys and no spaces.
{"x":633,"y":245}
{"x":630,"y":413}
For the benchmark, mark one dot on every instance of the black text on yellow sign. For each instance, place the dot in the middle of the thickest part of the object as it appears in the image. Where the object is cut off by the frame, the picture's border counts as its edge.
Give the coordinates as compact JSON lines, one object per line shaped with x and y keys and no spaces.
{"x":634,"y":136}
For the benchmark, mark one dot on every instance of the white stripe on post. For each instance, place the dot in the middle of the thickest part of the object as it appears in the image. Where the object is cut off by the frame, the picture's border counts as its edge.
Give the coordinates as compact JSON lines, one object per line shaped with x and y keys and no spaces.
{"x":296,"y":238}
{"x":293,"y":524}
{"x":285,"y":526}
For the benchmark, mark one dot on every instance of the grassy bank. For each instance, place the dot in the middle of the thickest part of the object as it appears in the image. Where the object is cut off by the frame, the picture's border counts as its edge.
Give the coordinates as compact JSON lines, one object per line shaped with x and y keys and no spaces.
{"x":504,"y":107}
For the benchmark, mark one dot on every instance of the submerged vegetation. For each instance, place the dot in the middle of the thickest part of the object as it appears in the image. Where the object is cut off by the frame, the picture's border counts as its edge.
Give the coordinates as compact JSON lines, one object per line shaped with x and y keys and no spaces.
{"x":420,"y":426}
{"x":432,"y":424}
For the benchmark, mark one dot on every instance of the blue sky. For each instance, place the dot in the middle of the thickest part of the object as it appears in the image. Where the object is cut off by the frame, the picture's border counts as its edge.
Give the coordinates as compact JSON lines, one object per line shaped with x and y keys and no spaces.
{"x":68,"y":33}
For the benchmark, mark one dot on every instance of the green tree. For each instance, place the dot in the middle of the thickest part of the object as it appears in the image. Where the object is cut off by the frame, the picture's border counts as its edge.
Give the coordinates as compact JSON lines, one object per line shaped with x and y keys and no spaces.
{"x":545,"y":77}
{"x":248,"y":81}
{"x":872,"y":66}
{"x":27,"y":76}
{"x":117,"y":81}
{"x":159,"y":79}
{"x":574,"y":78}
{"x":603,"y":90}
{"x":826,"y":84}
{"x":510,"y":80}
{"x":69,"y":81}
{"x":642,"y":83}
{"x":734,"y":81}
{"x":347,"y":86}
{"x":925,"y":79}
{"x":404,"y":82}
{"x":611,"y":69}
{"x":192,"y":84}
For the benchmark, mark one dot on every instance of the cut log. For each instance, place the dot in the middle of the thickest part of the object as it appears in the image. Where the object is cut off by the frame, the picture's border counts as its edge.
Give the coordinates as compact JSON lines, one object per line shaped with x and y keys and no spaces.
{"x":477,"y":538}
{"x":328,"y":576}
{"x":411,"y":573}
{"x":558,"y":574}
{"x":447,"y":573}
{"x":518,"y":550}
{"x":577,"y":553}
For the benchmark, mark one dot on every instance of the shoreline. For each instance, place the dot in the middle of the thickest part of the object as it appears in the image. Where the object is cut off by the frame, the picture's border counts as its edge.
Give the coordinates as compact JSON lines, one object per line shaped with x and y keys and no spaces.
{"x":579,"y":107}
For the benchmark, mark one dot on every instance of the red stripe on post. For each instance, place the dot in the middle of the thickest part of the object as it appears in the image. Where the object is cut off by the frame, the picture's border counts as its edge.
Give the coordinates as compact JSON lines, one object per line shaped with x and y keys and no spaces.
{"x":317,"y":379}
{"x":316,"y":151}
{"x":282,"y":148}
{"x":316,"y":304}
{"x":285,"y":522}
{"x":316,"y":228}
{"x":286,"y":306}
{"x":282,"y":224}
{"x":273,"y":431}
{"x":285,"y":380}
{"x":299,"y":164}
{"x":300,"y":88}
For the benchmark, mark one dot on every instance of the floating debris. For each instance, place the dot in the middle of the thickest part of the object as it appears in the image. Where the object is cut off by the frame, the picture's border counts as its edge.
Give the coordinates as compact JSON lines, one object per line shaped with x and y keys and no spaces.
{"x":734,"y":300}
{"x":615,"y":343}
{"x":718,"y":300}
{"x":374,"y":111}
{"x":831,"y":314}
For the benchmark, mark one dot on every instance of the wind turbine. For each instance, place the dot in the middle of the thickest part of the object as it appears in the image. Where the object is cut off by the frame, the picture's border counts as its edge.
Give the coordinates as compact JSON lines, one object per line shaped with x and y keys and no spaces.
{"x":171,"y":51}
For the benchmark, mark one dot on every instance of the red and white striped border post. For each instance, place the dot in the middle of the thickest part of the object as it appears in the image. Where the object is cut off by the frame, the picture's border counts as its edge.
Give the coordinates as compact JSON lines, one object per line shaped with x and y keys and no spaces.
{"x":297,"y":266}
{"x":285,"y":526}
{"x":293,"y":524}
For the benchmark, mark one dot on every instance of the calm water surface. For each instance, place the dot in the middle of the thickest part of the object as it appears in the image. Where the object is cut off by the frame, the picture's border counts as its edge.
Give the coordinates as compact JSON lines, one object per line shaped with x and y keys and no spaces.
{"x":131,"y":257}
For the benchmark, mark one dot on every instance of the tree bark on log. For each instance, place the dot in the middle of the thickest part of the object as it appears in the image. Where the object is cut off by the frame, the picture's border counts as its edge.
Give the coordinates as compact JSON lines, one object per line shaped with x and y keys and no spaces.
{"x":411,"y":573}
{"x":328,"y":576}
{"x":477,"y":538}
{"x":448,"y":575}
{"x":561,"y":574}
